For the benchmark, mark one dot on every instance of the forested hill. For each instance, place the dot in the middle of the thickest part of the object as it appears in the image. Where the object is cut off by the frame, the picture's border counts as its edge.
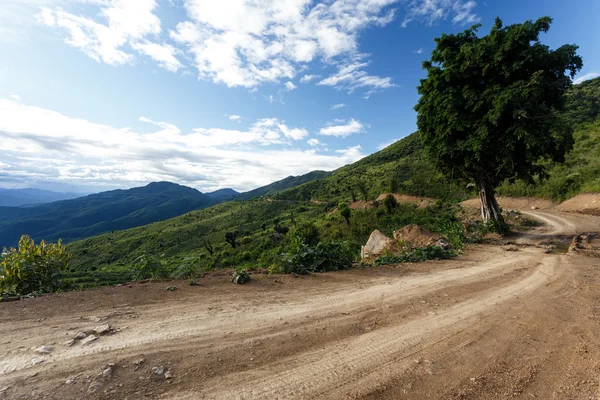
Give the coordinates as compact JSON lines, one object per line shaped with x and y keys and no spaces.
{"x":98,"y":213}
{"x":287,"y":183}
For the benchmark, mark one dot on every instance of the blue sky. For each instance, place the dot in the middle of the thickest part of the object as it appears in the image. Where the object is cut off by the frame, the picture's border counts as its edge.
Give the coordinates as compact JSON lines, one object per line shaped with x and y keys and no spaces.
{"x":101,"y":94}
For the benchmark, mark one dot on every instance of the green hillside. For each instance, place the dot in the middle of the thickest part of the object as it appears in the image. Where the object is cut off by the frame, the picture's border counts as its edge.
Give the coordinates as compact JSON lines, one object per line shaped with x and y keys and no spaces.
{"x":91,"y":215}
{"x":402,"y":167}
{"x":183,"y":238}
{"x":287,"y":183}
{"x":580,"y":172}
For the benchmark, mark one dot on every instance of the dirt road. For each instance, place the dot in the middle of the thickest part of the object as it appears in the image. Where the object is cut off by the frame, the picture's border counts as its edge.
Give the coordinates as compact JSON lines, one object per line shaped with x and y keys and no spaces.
{"x":492,"y":324}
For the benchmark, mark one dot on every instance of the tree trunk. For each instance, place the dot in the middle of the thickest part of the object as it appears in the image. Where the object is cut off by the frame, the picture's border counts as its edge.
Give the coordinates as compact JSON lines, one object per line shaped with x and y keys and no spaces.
{"x":490,"y":211}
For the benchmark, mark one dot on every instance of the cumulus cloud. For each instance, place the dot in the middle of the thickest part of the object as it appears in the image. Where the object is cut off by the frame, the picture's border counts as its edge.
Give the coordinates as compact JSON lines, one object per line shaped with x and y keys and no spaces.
{"x":308,"y":78}
{"x":314,"y":142}
{"x":39,"y":144}
{"x":290,"y":86}
{"x":338,"y":106}
{"x":124,"y":24}
{"x":343,"y":128}
{"x":234,"y":117}
{"x":15,"y":97}
{"x":352,"y":76}
{"x":432,"y":11}
{"x":586,"y":77}
{"x":236,"y":43}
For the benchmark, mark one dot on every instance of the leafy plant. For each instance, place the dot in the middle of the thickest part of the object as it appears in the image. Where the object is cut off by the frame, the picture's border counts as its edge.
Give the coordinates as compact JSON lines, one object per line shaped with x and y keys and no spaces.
{"x":189,"y":269}
{"x":33,"y":268}
{"x":307,"y":233}
{"x":148,"y":267}
{"x":417,"y":255}
{"x":390,"y":203}
{"x":323,"y":257}
{"x":345,"y":212}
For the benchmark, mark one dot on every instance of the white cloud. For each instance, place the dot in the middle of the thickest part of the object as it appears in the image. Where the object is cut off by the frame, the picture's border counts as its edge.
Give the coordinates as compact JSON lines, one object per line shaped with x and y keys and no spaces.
{"x":586,"y":77}
{"x":314,"y":142}
{"x":432,"y":11}
{"x":15,"y":97}
{"x":308,"y":78}
{"x":352,"y":76}
{"x":419,"y":51}
{"x":236,"y":42}
{"x":346,"y":129}
{"x":290,"y":86}
{"x":163,"y":54}
{"x":234,"y":117}
{"x":338,"y":106}
{"x":124,"y":23}
{"x":76,"y":151}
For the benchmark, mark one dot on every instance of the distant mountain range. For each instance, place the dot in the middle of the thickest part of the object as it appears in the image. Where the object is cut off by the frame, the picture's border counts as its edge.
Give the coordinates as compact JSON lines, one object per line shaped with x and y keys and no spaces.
{"x":28,"y":197}
{"x":98,"y":213}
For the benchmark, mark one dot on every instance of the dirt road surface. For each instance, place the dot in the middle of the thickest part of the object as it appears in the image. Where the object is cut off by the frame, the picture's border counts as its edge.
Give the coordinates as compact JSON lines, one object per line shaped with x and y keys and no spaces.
{"x":491,"y":324}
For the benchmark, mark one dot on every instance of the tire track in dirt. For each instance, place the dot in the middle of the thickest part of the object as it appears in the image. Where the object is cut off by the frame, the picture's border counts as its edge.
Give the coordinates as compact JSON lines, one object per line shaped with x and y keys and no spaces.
{"x":177,"y":322}
{"x":320,"y":372}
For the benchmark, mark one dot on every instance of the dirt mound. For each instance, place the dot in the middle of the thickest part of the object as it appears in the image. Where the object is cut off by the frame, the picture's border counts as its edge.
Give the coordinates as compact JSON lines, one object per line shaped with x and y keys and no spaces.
{"x":361,"y":205}
{"x":586,"y":203}
{"x":421,"y":202}
{"x":416,"y":236}
{"x":515,"y":203}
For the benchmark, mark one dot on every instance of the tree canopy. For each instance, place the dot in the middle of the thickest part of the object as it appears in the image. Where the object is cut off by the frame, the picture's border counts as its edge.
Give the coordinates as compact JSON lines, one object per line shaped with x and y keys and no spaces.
{"x":491,"y":106}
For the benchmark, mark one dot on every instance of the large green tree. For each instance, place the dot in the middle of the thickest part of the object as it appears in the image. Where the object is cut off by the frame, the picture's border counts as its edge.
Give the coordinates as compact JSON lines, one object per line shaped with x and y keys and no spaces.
{"x":491,"y":107}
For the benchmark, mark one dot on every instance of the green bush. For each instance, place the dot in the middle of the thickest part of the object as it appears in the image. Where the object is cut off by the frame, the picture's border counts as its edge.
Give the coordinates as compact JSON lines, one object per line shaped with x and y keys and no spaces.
{"x":306,"y":233}
{"x":305,"y":259}
{"x":148,"y":267}
{"x":417,"y":255}
{"x":33,"y":268}
{"x":189,"y":269}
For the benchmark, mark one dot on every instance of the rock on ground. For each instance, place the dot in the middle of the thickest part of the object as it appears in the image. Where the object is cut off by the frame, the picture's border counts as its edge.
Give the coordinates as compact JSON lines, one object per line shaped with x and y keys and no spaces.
{"x":377,"y":244}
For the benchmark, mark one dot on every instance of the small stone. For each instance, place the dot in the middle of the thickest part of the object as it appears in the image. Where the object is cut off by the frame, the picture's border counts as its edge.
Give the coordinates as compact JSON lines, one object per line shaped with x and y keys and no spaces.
{"x":93,"y":318}
{"x":137,"y":363}
{"x":95,"y":386}
{"x":80,"y":336}
{"x":88,"y":340}
{"x":69,"y":343}
{"x":102,"y":329}
{"x":158,"y":370}
{"x":44,"y":350}
{"x":107,"y":373}
{"x":37,"y":361}
{"x":168,"y":374}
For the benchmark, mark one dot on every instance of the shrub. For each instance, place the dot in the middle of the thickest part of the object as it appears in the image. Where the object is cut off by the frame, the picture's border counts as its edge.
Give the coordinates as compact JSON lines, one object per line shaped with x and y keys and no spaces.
{"x":147,"y":267}
{"x":417,"y":255}
{"x":307,"y":233}
{"x":390,"y":203}
{"x":189,"y":269}
{"x":345,"y":212}
{"x":33,"y":268}
{"x":320,"y":258}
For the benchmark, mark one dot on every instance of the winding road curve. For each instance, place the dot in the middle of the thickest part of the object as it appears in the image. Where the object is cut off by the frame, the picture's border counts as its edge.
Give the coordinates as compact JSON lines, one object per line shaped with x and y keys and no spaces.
{"x":490,"y":324}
